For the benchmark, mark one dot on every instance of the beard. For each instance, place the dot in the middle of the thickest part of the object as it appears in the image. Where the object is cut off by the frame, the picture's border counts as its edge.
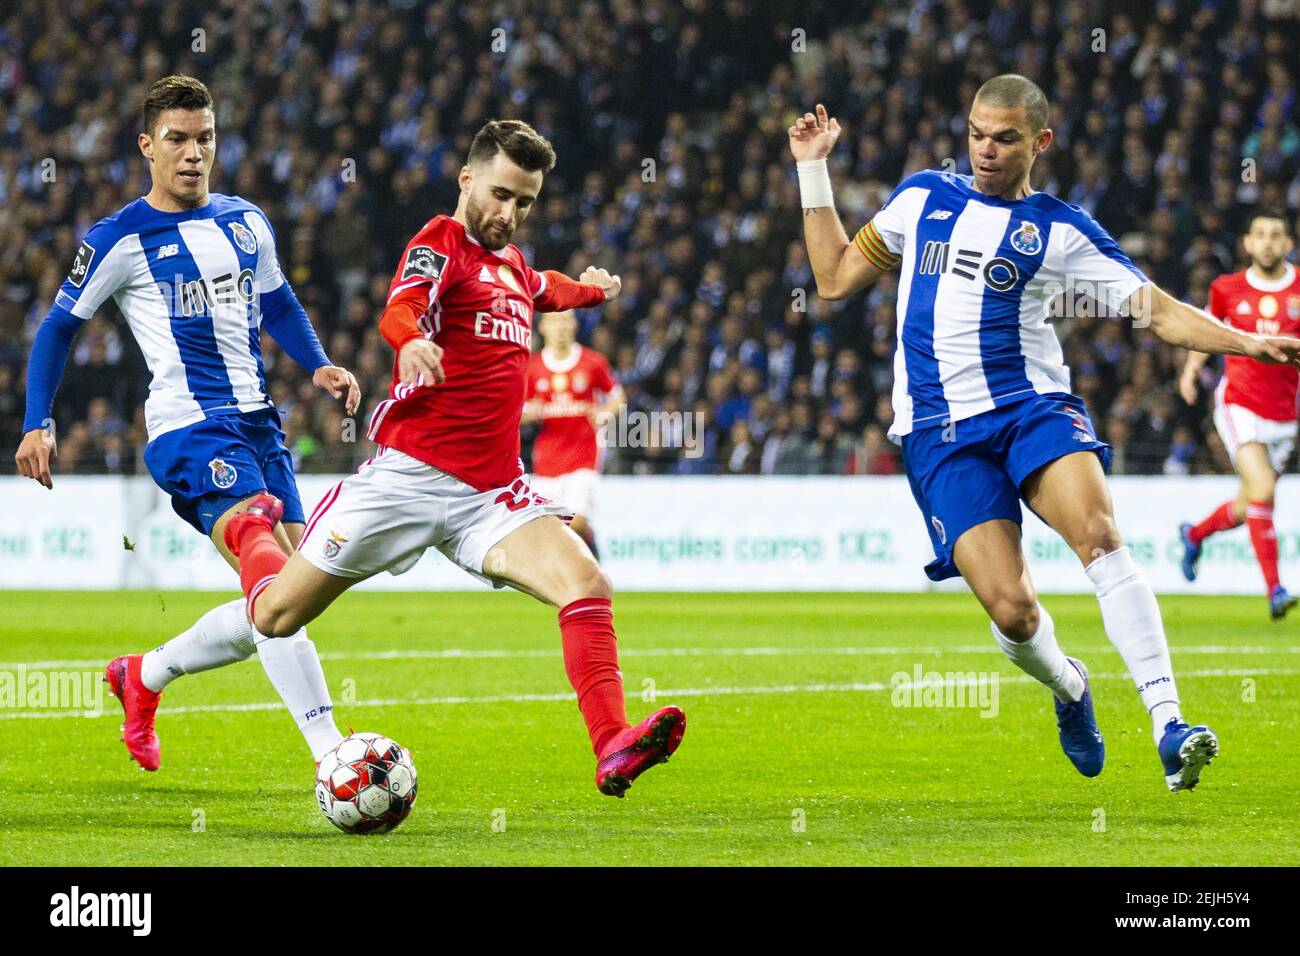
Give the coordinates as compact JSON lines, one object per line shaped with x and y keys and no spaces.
{"x":482,"y":228}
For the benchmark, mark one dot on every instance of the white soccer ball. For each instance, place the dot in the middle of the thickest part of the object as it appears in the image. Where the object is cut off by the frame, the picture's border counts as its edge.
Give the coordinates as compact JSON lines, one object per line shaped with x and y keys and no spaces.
{"x":366,"y":784}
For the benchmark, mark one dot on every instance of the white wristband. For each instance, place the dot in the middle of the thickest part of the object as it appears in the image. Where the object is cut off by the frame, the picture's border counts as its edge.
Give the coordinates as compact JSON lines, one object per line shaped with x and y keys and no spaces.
{"x":814,"y":184}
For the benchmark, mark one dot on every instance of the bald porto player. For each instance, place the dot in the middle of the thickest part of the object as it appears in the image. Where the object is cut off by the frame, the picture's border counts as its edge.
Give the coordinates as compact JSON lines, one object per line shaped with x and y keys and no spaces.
{"x":982,"y":399}
{"x":197,"y":278}
{"x":448,"y":474}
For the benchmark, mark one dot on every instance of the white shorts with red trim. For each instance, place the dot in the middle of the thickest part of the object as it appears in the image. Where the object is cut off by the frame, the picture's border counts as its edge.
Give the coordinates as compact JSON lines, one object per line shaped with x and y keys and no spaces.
{"x":576,"y":490}
{"x":396,"y":507}
{"x":1238,"y":425}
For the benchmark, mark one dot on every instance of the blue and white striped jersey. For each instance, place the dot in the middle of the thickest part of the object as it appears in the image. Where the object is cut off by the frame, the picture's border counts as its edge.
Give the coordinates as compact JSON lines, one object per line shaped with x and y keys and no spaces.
{"x":979,"y":274}
{"x":190,"y":286}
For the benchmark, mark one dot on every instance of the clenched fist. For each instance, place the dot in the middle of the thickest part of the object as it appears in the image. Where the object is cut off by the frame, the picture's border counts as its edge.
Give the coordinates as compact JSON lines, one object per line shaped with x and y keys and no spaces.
{"x":611,"y":285}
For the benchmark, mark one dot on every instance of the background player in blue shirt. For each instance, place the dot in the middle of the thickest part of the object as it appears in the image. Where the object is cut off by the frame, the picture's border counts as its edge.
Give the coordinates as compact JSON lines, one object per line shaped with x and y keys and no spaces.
{"x":196,"y":276}
{"x":982,"y":402}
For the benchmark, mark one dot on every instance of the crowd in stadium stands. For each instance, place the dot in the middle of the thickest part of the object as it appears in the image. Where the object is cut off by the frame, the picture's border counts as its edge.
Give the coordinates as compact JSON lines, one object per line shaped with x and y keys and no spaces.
{"x":347,"y":123}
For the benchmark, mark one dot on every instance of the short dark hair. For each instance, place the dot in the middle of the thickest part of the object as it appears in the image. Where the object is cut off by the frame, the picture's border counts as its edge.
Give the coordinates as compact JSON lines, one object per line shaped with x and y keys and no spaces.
{"x":173,"y":92}
{"x":1277,"y":214}
{"x":1011,"y":90}
{"x":523,"y":145}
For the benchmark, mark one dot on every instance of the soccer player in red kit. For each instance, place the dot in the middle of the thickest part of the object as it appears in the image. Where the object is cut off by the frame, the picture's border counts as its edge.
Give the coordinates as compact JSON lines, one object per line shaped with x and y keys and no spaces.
{"x":571,"y":392}
{"x":1255,"y":404}
{"x":448,"y":474}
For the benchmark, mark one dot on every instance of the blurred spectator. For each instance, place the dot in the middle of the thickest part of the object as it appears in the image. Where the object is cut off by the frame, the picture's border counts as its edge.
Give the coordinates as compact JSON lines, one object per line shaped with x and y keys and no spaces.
{"x":348,"y":124}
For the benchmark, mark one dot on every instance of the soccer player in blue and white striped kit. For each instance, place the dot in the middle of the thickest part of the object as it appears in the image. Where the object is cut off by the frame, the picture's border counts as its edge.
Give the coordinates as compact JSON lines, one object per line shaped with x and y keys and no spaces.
{"x":196,"y":276}
{"x":982,"y":402}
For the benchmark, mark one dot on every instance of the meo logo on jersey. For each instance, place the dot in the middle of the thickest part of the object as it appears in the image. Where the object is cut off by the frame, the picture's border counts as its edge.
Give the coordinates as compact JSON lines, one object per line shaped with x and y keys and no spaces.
{"x":423,"y":261}
{"x":223,"y":474}
{"x":81,"y":264}
{"x":244,"y":237}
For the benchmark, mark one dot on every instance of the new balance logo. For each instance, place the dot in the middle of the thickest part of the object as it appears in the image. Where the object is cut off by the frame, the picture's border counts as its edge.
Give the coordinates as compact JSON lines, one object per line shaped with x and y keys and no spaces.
{"x":940,"y":214}
{"x":170,"y":249}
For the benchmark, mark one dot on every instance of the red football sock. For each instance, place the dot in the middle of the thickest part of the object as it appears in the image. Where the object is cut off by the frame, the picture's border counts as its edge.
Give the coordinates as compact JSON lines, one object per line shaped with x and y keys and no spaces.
{"x":591,"y":661}
{"x":1223,"y":518}
{"x":1259,"y":519}
{"x":260,"y":559}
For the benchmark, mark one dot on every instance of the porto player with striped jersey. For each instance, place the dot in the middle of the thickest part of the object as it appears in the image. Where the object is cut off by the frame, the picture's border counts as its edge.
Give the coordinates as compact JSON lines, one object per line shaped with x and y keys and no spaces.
{"x":447,"y":474}
{"x":982,"y":398}
{"x":196,"y":276}
{"x":571,"y":394}
{"x":1255,"y":404}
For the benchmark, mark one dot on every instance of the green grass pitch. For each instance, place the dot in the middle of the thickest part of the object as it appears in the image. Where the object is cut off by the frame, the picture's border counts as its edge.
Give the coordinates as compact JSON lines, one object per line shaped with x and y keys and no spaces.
{"x":797,"y":751}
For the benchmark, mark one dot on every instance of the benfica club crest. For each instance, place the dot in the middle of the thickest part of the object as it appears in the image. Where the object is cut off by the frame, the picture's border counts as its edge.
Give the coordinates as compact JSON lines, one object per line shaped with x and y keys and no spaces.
{"x":334,"y":545}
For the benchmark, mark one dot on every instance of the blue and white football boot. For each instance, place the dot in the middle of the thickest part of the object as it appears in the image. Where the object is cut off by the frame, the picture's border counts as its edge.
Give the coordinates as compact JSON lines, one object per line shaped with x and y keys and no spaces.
{"x":1077,"y":725}
{"x":1280,"y":601}
{"x":1184,"y":751}
{"x":1191,"y":552}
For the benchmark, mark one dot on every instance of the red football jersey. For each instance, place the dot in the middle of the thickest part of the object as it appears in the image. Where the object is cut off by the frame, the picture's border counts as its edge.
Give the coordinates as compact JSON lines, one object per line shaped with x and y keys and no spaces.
{"x":478,"y":305}
{"x":1246,"y":302}
{"x":567,"y":392}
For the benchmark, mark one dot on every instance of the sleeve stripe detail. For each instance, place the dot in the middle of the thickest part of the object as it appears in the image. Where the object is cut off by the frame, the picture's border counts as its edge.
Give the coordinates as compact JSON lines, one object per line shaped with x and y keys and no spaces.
{"x":873,"y":247}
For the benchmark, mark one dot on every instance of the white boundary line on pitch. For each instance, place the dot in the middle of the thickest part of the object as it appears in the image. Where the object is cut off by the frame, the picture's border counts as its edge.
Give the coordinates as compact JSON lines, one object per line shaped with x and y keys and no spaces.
{"x":457,"y":653}
{"x":846,"y":688}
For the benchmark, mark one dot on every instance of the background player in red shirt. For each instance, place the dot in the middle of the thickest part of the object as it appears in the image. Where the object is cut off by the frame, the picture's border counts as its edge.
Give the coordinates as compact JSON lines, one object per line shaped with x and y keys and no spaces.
{"x":448,"y":473}
{"x":572,"y":393}
{"x":1255,"y":404}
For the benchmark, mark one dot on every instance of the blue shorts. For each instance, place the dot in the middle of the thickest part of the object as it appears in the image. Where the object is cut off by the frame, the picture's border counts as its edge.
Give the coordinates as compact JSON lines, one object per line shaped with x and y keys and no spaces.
{"x":968,"y":472}
{"x":214,"y":464}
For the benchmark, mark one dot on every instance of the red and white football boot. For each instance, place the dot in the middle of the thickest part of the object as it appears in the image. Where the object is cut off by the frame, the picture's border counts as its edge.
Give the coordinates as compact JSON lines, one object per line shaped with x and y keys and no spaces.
{"x":139,"y":704}
{"x":632,"y":752}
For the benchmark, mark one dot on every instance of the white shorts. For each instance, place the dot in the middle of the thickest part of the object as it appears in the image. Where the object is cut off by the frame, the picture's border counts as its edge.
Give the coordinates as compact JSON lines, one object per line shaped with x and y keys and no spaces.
{"x":576,"y":491}
{"x":396,"y":507}
{"x":1237,"y":426}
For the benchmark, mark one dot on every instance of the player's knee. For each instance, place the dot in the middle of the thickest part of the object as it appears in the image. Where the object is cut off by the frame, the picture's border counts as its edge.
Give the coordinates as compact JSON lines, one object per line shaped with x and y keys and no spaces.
{"x":273,"y":619}
{"x":1016,"y":616}
{"x":1099,"y":538}
{"x":596,"y":583}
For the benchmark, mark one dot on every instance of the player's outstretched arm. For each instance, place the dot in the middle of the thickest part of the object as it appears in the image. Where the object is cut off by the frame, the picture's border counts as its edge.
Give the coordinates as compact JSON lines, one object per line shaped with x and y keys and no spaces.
{"x":44,"y":371}
{"x":838,"y":267}
{"x":1191,"y":328}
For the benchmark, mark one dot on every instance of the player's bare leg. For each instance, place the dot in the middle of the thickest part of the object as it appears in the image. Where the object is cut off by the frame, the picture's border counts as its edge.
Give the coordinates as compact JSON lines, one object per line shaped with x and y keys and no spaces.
{"x":547,"y":560}
{"x":991,"y":561}
{"x":582,"y":528}
{"x":1070,"y":494}
{"x":1255,"y":505}
{"x":224,"y":636}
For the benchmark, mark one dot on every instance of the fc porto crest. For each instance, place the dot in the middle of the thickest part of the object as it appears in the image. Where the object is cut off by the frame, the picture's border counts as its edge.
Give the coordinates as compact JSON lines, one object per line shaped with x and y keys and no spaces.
{"x":243,"y":237}
{"x":939,"y":530}
{"x":223,"y":473}
{"x":1028,"y":239}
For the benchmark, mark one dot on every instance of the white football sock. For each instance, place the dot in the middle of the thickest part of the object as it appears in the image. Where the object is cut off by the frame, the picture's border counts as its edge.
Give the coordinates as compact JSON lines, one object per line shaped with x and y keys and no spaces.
{"x":296,"y":674}
{"x":1041,"y":658}
{"x":222,"y":636}
{"x":1132,"y":620}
